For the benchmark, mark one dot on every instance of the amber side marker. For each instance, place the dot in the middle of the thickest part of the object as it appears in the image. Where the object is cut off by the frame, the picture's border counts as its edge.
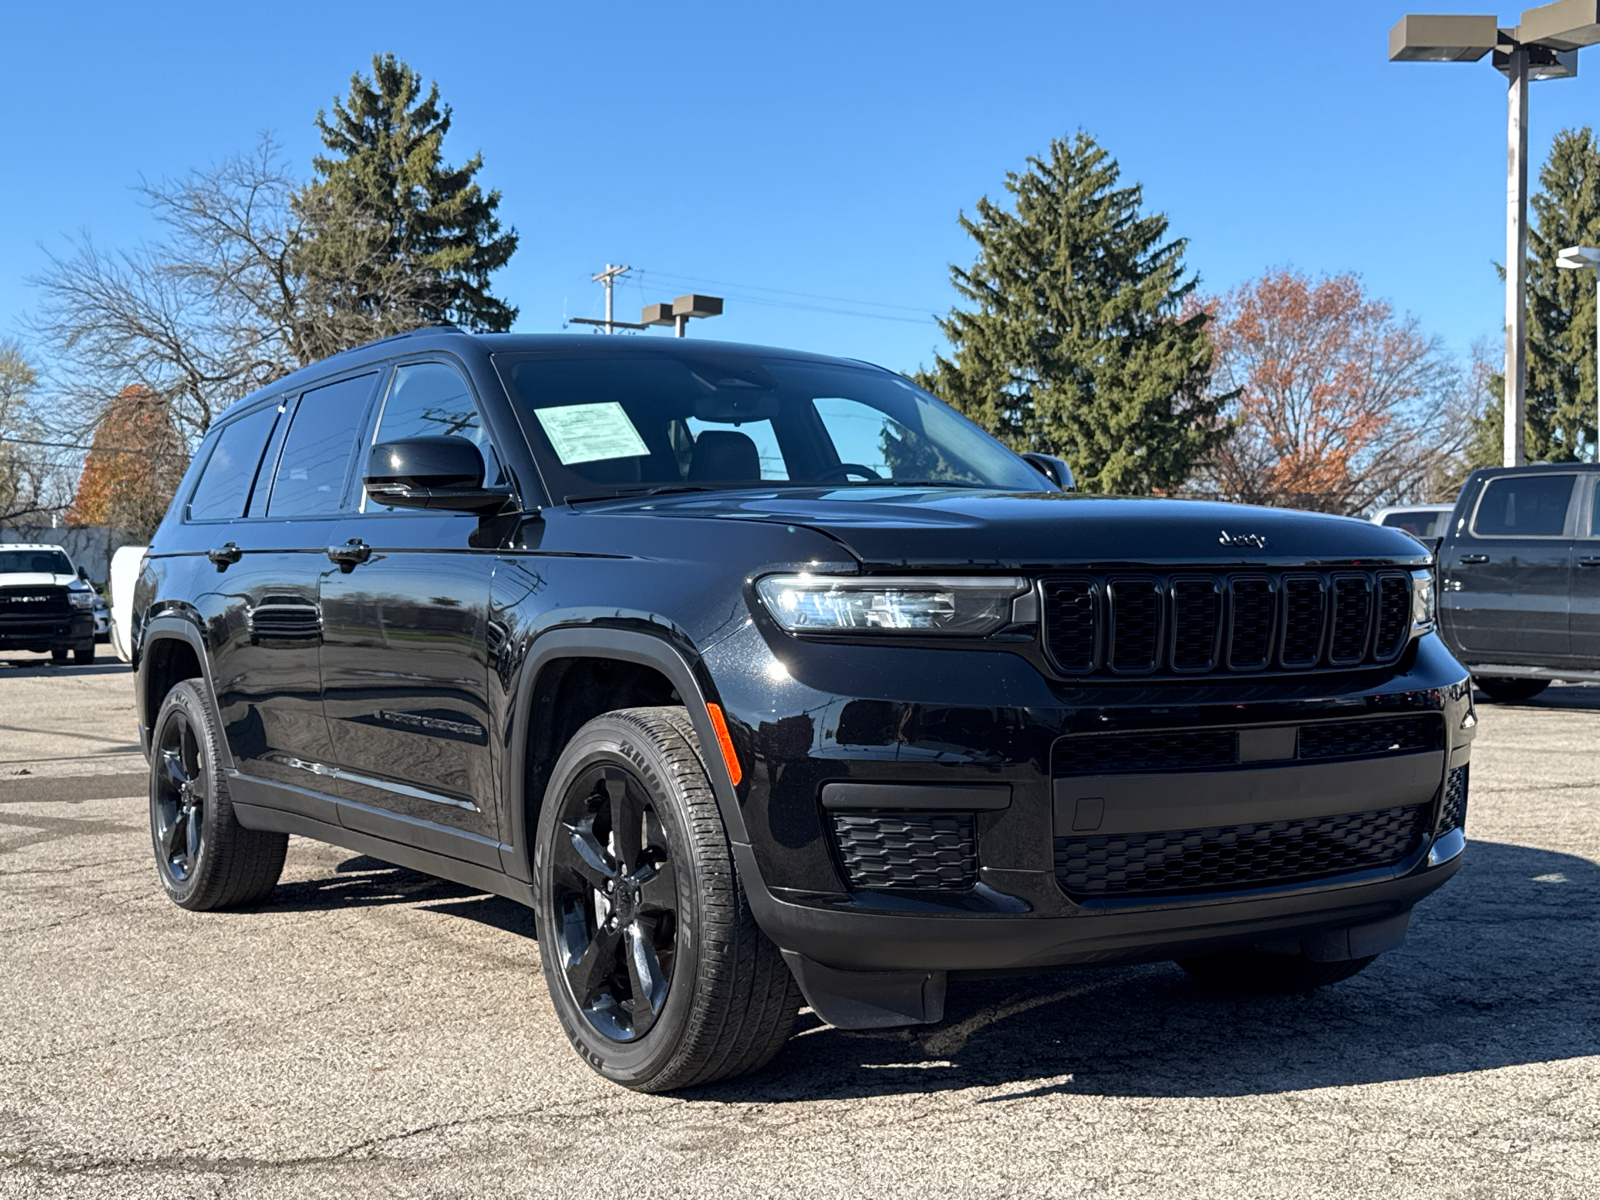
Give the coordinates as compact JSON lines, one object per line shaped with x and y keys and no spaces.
{"x":720,"y":724}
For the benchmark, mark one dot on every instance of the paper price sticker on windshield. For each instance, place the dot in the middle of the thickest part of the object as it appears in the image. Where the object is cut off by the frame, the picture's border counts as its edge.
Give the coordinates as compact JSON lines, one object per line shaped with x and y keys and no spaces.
{"x":583,"y":433}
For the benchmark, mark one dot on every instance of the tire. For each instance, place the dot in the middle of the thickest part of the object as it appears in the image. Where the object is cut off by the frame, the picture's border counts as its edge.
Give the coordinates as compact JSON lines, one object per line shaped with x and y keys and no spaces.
{"x":1509,"y":691}
{"x":1263,"y":974}
{"x":204,"y":857}
{"x":660,"y":976}
{"x":59,"y":656}
{"x":84,"y":654}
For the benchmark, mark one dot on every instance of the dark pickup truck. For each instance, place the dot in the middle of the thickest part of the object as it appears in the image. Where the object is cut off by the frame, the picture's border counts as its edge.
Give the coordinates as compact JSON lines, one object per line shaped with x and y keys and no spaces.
{"x":1519,"y":572}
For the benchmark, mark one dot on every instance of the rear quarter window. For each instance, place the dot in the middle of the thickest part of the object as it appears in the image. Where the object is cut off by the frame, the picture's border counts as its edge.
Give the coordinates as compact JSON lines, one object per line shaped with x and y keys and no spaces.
{"x":230,"y":471}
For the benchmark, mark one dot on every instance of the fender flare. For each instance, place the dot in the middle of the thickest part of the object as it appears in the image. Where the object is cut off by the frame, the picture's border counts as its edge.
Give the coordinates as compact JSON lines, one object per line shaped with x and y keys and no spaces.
{"x":174,"y":627}
{"x":598,"y":641}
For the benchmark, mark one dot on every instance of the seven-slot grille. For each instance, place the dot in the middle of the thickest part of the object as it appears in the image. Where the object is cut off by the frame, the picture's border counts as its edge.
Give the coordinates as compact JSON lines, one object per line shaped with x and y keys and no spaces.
{"x":1198,"y":623}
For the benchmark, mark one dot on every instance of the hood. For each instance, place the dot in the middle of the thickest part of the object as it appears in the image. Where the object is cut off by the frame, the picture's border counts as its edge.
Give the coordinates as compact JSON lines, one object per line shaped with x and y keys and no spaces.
{"x":37,"y":579}
{"x":923,"y":527}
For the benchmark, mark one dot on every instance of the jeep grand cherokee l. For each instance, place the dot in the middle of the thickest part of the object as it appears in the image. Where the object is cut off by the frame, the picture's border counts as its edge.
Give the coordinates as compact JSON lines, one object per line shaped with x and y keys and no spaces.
{"x":764,"y":676}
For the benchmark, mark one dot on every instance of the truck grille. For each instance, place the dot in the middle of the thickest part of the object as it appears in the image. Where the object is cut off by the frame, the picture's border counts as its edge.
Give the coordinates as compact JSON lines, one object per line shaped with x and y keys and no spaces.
{"x":906,"y":850}
{"x":1218,"y":749}
{"x":1228,"y":622}
{"x":1236,"y":856}
{"x":31,"y":603}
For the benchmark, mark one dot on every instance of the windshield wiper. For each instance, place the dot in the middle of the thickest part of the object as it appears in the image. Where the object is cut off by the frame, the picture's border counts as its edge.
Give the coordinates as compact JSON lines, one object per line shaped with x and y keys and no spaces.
{"x":631,"y":493}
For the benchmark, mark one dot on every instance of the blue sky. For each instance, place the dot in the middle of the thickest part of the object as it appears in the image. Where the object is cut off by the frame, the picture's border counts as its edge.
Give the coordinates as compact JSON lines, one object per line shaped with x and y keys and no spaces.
{"x":804,"y":159}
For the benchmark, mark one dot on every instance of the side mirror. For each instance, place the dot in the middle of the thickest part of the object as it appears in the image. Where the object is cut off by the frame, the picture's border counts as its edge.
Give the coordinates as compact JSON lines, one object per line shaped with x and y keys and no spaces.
{"x":1052,"y":468}
{"x":83,"y":574}
{"x":432,"y":472}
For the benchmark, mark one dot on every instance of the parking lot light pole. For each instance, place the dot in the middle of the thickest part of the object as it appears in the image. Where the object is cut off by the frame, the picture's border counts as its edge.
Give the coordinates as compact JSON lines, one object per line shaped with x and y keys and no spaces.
{"x":1543,"y":46}
{"x":1587,"y":258}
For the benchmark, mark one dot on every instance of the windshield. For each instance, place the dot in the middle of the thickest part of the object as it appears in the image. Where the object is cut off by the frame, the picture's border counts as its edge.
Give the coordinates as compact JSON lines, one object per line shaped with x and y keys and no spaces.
{"x":34,"y":562}
{"x":611,"y":424}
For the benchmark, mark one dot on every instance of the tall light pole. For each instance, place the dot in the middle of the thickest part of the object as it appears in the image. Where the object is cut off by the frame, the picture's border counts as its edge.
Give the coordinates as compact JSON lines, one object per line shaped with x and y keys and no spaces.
{"x":1543,"y":46}
{"x":1582,"y":258}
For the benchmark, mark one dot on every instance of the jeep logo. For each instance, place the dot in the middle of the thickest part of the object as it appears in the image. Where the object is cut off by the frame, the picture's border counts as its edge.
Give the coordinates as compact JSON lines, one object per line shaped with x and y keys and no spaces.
{"x":1242,"y":539}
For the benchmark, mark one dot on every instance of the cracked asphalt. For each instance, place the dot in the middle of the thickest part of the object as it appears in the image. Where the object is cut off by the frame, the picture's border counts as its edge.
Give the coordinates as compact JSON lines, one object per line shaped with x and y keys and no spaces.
{"x":374,"y":1032}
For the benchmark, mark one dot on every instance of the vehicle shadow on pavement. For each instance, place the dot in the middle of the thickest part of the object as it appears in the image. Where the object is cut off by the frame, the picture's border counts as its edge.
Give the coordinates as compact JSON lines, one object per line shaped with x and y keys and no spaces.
{"x":1499,"y":970}
{"x":364,"y":881}
{"x":1578,"y":699}
{"x":44,"y":666}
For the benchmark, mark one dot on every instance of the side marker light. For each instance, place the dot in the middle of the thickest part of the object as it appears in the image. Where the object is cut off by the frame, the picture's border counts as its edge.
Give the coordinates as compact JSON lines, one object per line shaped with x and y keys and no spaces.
{"x":729,"y":757}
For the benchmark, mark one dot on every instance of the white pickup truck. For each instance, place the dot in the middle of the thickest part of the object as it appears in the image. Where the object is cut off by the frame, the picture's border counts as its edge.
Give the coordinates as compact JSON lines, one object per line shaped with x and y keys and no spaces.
{"x":45,"y":603}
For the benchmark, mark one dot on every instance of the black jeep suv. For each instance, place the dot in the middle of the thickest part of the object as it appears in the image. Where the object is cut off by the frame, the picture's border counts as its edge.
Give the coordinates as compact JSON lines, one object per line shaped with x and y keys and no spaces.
{"x":764,"y":676}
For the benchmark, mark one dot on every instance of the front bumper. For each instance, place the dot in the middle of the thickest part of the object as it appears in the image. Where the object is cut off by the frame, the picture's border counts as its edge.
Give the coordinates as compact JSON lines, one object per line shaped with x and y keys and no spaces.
{"x":991,"y":721}
{"x":39,"y":634}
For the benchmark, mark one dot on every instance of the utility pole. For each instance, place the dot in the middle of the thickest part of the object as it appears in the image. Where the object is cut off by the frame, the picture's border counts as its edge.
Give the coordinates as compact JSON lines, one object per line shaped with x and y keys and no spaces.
{"x":1516,"y":370}
{"x":607,"y":279}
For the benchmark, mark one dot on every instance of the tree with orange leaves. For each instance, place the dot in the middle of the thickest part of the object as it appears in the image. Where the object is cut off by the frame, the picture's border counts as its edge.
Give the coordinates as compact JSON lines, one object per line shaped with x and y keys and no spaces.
{"x":1341,"y":406}
{"x":134,"y":466}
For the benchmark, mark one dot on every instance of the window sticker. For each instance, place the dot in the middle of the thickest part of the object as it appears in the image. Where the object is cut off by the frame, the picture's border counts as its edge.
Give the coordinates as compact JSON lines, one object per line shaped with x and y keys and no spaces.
{"x":584,"y":433}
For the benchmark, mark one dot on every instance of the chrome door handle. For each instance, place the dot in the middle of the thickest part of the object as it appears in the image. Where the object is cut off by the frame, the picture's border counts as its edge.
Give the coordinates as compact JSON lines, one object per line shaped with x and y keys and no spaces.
{"x":225,"y":555}
{"x":1474,"y":558}
{"x":352,"y":554}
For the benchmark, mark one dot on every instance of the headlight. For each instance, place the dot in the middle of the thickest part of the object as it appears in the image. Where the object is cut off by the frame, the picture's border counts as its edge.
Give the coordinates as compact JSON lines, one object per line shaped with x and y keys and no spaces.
{"x":1424,"y":604}
{"x":83,"y":599}
{"x":836,"y":604}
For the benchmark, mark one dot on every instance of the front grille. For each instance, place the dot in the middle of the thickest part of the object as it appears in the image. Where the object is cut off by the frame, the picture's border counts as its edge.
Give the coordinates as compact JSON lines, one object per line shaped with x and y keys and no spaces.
{"x":1453,"y":812}
{"x":1371,"y":739}
{"x":906,"y":850}
{"x":1236,"y":856}
{"x":1156,"y":750}
{"x":1196,"y":623}
{"x":33,"y":603}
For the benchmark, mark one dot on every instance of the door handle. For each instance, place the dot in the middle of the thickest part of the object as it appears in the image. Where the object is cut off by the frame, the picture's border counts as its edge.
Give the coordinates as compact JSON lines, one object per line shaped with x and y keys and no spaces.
{"x":1474,"y":558}
{"x":1589,"y":560}
{"x":350,"y":555}
{"x":225,"y":555}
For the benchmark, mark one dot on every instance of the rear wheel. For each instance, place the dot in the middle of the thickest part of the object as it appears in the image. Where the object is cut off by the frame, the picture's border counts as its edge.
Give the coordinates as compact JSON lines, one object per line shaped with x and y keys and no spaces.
{"x":1269,"y":974}
{"x":204,"y":857}
{"x":1508,"y":691}
{"x":658,"y":971}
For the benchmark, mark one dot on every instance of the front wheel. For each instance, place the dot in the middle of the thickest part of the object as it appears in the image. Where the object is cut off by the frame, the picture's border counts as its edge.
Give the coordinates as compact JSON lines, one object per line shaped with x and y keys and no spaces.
{"x":204,"y":857}
{"x":1509,"y":691}
{"x":84,"y":654}
{"x":658,"y":971}
{"x":1265,"y":974}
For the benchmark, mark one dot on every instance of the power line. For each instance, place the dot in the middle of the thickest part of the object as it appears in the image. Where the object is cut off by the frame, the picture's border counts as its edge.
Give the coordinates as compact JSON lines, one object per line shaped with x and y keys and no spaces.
{"x":767,"y":301}
{"x":785,"y":292}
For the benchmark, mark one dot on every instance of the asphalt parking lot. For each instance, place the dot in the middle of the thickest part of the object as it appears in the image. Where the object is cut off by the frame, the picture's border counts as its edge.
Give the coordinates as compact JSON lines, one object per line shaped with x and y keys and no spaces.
{"x":376,"y":1032}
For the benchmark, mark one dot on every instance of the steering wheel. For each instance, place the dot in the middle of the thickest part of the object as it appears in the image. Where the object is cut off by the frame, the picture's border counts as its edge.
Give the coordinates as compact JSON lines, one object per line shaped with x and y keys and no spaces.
{"x":848,"y":469}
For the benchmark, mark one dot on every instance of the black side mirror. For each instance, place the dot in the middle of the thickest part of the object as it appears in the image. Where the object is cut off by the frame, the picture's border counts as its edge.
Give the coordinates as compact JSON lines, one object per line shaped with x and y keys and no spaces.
{"x":83,"y":574}
{"x":432,"y":472}
{"x":1052,"y":468}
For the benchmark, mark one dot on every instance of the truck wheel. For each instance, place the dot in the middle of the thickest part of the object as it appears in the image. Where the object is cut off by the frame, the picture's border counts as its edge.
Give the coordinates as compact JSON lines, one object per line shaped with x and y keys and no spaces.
{"x":1508,"y":691}
{"x":204,"y":857}
{"x":84,"y":654}
{"x":59,"y":656}
{"x":1268,"y":974}
{"x":658,"y":971}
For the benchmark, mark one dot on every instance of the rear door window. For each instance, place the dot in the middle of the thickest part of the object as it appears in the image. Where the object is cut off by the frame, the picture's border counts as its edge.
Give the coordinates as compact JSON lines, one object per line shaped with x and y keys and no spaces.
{"x":315,"y":465}
{"x":1524,"y":506}
{"x":230,"y":472}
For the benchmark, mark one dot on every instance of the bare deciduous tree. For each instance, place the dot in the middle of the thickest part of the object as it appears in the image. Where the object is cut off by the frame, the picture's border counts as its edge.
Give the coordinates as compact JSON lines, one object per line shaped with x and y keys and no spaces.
{"x":1341,"y":405}
{"x":29,"y":474}
{"x":221,"y":305}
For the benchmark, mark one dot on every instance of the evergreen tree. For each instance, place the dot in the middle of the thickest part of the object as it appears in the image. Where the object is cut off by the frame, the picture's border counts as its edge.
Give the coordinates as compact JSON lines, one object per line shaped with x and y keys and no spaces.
{"x":1561,"y":314}
{"x":391,"y":236}
{"x":1079,"y":341}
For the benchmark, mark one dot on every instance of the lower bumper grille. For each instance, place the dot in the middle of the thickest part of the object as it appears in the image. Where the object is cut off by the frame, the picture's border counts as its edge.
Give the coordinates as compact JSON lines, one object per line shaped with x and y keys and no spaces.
{"x":1236,"y":856}
{"x":918,"y":851}
{"x":1453,"y":812}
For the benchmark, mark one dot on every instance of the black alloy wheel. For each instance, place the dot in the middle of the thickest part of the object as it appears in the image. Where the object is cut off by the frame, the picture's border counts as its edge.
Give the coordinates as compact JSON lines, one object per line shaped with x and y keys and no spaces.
{"x":178,"y":797}
{"x":658,"y":972}
{"x":615,"y":892}
{"x":204,"y":857}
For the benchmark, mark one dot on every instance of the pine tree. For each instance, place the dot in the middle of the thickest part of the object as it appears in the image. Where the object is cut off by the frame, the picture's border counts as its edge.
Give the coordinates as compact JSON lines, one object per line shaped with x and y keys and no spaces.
{"x":392,"y":236}
{"x":1079,"y":341}
{"x":1561,"y":314}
